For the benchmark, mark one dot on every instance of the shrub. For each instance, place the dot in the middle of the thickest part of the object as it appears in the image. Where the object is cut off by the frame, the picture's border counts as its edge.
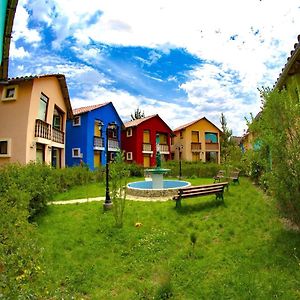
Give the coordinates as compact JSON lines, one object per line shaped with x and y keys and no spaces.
{"x":192,"y":169}
{"x":135,"y":170}
{"x":34,"y":179}
{"x":279,"y":148}
{"x":19,"y":252}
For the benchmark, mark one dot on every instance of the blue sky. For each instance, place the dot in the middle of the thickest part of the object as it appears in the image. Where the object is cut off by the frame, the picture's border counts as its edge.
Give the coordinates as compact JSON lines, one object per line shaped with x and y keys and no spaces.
{"x":181,"y":59}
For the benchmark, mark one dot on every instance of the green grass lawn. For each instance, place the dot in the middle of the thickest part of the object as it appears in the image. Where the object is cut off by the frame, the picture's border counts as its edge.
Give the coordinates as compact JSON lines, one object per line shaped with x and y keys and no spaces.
{"x":241,"y":251}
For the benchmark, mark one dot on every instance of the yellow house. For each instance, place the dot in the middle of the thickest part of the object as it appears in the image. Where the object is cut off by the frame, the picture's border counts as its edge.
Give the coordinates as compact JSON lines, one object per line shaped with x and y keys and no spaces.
{"x":197,"y":141}
{"x":33,"y":114}
{"x":290,"y":75}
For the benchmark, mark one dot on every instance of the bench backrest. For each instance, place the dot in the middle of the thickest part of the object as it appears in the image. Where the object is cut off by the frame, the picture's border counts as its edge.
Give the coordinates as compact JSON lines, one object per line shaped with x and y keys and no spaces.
{"x":205,"y":187}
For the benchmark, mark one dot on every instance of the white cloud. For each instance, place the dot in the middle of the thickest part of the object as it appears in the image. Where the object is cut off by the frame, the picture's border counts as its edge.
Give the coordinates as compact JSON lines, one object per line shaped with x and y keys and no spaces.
{"x":17,"y":52}
{"x":21,"y":29}
{"x":243,"y":44}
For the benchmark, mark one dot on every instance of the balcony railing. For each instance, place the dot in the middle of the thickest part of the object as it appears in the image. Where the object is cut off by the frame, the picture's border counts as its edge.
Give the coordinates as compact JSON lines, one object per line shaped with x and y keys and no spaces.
{"x":58,"y":136}
{"x":196,"y":147}
{"x":42,"y":130}
{"x":147,"y":147}
{"x":164,"y":149}
{"x":211,"y":146}
{"x":113,"y":145}
{"x":98,"y":143}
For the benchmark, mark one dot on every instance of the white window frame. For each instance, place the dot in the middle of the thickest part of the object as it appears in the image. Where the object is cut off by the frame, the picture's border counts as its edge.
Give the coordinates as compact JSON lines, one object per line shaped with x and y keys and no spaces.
{"x":79,"y":155}
{"x":79,"y":121}
{"x":129,"y":156}
{"x":4,"y":92}
{"x":8,"y":154}
{"x":129,"y":132}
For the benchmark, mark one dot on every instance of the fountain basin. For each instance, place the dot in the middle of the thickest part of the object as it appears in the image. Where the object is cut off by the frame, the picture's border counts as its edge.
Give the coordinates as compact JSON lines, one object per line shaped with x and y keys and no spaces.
{"x":145,"y":188}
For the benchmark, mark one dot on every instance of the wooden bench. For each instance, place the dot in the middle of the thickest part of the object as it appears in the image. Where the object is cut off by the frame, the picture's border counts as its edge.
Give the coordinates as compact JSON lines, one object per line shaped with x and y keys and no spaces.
{"x":200,"y":190}
{"x":234,"y":176}
{"x":220,"y":175}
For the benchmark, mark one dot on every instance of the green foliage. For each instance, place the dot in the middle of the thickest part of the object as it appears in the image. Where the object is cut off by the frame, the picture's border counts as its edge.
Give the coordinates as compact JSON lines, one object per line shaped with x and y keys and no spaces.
{"x":20,"y":265}
{"x":230,"y":151}
{"x":191,"y":169}
{"x":118,"y":178}
{"x":135,"y":170}
{"x":138,"y":114}
{"x":34,"y":179}
{"x":74,"y":176}
{"x":278,"y":130}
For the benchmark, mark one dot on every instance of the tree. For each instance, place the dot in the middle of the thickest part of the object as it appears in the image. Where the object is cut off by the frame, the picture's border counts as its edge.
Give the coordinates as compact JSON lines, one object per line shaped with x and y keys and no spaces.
{"x":138,"y":114}
{"x":278,"y":129}
{"x":229,"y":149}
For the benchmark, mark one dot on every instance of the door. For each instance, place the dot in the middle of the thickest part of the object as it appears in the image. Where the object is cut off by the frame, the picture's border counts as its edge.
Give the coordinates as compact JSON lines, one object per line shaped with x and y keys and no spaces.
{"x":56,"y":157}
{"x":97,"y":159}
{"x":146,"y":160}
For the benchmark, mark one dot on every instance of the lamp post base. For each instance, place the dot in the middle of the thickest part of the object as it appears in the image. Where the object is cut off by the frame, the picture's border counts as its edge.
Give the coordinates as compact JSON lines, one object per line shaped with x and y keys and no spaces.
{"x":107,"y":206}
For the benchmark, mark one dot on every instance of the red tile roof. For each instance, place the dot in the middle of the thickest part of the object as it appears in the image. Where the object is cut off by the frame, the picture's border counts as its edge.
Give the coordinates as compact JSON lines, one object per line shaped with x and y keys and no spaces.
{"x":193,"y":122}
{"x":136,"y":122}
{"x":82,"y":110}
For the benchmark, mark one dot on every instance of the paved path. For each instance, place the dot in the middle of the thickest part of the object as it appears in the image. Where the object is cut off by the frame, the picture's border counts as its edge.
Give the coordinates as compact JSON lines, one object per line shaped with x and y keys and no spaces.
{"x":132,"y":198}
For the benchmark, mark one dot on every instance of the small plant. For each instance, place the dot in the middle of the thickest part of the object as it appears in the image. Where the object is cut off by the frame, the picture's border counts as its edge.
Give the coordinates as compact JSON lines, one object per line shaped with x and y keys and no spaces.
{"x":164,"y":290}
{"x":119,"y":177}
{"x":193,"y":239}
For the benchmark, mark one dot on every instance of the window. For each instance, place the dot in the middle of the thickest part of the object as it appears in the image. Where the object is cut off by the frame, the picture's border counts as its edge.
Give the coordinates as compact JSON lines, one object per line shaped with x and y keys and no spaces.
{"x":57,"y":119}
{"x":146,"y":137}
{"x":195,"y":136}
{"x":42,"y":114}
{"x":98,"y":128}
{"x":211,"y":137}
{"x":9,"y":93}
{"x":181,"y":134}
{"x":40,"y":153}
{"x":5,"y":147}
{"x":129,"y":155}
{"x":77,"y":121}
{"x":129,"y":132}
{"x":163,"y":139}
{"x":76,"y":152}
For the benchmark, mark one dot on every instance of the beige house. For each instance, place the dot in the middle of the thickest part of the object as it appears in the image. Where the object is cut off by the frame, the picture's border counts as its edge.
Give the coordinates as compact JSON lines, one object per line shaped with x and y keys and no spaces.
{"x":197,"y":141}
{"x":33,"y":114}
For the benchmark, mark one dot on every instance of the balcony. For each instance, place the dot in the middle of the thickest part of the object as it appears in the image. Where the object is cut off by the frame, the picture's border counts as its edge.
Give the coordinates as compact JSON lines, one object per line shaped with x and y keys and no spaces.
{"x":58,"y":136}
{"x":164,"y":149}
{"x":113,"y":145}
{"x":147,"y":148}
{"x":98,"y":143}
{"x":42,"y":130}
{"x":195,"y":147}
{"x":211,"y":146}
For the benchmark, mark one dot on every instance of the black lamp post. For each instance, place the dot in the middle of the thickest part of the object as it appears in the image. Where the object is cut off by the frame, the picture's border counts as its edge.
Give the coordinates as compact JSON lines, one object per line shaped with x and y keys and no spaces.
{"x":179,"y":148}
{"x":108,"y":203}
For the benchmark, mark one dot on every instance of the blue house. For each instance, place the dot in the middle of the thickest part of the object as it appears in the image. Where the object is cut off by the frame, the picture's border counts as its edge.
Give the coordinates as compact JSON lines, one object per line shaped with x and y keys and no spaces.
{"x":89,"y":132}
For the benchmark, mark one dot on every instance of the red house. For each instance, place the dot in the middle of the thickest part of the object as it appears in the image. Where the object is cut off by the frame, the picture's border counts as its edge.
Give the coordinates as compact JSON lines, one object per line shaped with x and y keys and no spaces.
{"x":139,"y":140}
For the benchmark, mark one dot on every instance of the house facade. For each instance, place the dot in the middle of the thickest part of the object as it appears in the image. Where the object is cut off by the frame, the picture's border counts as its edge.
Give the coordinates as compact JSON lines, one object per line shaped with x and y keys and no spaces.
{"x":139,"y":140}
{"x":290,"y":75}
{"x":197,"y":141}
{"x":33,"y":114}
{"x":91,"y":130}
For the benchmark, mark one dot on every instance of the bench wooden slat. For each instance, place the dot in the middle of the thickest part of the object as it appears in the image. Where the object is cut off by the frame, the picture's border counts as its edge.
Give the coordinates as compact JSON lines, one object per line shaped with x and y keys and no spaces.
{"x":200,"y":190}
{"x":202,"y":193}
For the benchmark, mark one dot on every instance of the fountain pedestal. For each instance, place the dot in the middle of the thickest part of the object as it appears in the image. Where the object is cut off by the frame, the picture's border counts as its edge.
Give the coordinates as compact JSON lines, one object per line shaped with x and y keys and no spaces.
{"x":157,"y":175}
